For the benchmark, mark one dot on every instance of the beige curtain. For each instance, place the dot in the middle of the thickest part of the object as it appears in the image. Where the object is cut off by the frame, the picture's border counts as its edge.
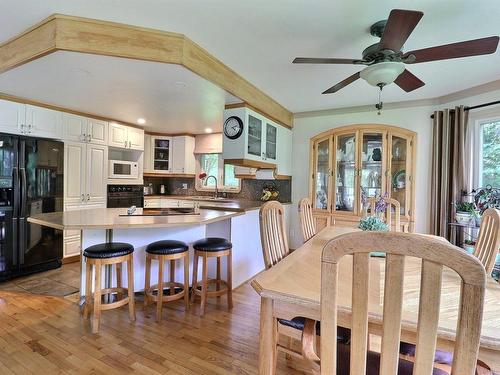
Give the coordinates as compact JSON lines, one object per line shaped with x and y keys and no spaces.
{"x":449,"y":175}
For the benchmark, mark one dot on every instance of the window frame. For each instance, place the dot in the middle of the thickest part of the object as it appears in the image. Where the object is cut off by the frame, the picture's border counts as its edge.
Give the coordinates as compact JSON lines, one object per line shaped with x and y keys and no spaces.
{"x":479,"y":120}
{"x":199,"y":186}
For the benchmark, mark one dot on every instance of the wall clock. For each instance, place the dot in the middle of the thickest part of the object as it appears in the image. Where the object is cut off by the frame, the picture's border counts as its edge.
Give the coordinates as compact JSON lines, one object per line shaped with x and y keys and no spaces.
{"x":233,"y":127}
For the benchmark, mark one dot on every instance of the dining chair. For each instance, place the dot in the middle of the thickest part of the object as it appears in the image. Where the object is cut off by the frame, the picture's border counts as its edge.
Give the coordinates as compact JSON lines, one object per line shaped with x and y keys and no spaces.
{"x":306,"y":219}
{"x":340,"y":358}
{"x":488,"y":239}
{"x":393,"y":209}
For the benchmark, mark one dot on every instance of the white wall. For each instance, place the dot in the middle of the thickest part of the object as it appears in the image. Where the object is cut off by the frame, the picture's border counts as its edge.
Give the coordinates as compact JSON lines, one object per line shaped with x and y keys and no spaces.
{"x":415,"y":118}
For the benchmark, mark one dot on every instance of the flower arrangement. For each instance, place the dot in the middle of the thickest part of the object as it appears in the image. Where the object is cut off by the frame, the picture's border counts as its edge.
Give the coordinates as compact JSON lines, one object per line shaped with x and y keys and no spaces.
{"x":269,"y":192}
{"x":202,"y":175}
{"x":373,"y":223}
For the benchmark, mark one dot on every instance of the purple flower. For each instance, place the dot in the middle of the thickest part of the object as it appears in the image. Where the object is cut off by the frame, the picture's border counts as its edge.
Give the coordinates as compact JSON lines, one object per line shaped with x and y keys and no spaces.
{"x":381,"y":204}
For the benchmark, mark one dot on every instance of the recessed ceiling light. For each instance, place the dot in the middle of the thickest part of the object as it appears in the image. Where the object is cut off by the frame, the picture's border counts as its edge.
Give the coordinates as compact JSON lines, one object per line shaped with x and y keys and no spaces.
{"x":208,"y":130}
{"x":141,"y":121}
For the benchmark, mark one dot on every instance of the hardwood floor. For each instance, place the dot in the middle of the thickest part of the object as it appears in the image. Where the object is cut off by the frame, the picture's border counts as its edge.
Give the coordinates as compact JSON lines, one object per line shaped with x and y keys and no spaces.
{"x":47,"y":334}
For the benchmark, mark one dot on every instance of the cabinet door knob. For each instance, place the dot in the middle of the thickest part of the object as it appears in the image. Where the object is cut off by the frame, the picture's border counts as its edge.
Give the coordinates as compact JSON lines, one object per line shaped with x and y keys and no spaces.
{"x":83,"y":137}
{"x":83,"y":197}
{"x":125,"y":144}
{"x":29,"y":128}
{"x":88,"y":197}
{"x":129,"y":144}
{"x":89,"y":137}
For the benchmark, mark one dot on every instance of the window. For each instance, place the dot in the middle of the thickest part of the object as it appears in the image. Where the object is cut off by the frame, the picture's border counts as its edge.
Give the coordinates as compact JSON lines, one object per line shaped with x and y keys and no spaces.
{"x":213,"y":165}
{"x":489,"y":153}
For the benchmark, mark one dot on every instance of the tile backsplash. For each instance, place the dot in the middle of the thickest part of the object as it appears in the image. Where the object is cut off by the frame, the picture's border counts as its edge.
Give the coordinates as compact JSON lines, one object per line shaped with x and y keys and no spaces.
{"x":250,"y":189}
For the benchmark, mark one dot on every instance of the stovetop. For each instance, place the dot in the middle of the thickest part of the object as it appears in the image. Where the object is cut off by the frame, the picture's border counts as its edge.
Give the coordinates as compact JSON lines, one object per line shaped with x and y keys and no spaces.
{"x":165,"y":212}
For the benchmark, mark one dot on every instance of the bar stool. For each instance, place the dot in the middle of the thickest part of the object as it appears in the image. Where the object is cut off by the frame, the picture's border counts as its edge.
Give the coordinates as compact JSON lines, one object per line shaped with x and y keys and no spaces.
{"x":108,"y":254}
{"x":163,"y":251}
{"x":208,"y":248}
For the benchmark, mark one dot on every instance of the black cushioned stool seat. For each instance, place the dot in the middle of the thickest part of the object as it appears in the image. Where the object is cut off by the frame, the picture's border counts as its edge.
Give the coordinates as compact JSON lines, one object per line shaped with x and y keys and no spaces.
{"x":343,"y":334}
{"x":212,"y":247}
{"x":167,"y":247}
{"x":108,"y":250}
{"x":212,"y":244}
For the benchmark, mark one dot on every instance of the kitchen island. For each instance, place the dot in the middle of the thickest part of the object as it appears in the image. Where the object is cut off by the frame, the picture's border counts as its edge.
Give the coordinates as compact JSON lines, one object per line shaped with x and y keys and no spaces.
{"x":112,"y":224}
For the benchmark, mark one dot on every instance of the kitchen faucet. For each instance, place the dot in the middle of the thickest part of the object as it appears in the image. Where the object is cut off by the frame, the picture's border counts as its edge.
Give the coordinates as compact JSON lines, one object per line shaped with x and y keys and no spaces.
{"x":216,"y":185}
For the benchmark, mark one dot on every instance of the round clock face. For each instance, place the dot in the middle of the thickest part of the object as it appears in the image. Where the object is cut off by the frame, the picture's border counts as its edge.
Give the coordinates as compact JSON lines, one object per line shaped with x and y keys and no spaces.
{"x":233,"y":127}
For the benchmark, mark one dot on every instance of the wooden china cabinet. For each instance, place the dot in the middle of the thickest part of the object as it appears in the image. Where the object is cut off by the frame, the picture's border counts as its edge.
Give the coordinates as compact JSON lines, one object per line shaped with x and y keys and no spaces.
{"x":345,"y":161}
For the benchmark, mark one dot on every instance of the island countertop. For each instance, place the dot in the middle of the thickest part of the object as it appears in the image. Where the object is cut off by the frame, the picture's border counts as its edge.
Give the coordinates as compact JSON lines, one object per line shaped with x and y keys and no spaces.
{"x":109,"y":218}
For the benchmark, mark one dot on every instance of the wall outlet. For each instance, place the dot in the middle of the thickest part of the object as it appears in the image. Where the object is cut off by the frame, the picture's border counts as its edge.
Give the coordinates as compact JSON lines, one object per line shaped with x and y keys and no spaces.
{"x":184,"y":186}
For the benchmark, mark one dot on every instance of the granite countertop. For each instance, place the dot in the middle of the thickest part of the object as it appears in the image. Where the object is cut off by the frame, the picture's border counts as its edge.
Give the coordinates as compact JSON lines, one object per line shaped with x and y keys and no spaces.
{"x":109,"y":218}
{"x":239,"y":205}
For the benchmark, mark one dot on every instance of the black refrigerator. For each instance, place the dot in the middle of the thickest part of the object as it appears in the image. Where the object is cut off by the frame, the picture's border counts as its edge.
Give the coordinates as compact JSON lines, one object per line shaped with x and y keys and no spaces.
{"x":31,"y":182}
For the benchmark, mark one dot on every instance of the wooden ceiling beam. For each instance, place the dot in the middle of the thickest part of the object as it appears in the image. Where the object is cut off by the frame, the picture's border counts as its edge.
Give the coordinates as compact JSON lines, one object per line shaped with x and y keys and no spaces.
{"x":83,"y":35}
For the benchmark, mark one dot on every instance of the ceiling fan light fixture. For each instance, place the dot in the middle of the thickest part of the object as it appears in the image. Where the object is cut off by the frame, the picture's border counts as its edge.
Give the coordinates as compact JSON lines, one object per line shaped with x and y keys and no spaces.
{"x":382,"y":73}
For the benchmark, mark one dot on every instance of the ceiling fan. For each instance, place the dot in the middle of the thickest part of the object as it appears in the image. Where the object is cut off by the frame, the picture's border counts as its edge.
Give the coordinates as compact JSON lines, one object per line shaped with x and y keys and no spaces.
{"x":385,"y":61}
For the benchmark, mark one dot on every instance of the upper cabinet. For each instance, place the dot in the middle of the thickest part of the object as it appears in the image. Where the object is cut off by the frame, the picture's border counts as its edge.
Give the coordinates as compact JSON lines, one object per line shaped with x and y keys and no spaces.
{"x":169,"y":155}
{"x":12,"y":116}
{"x":122,"y":136}
{"x":252,"y":140}
{"x":354,"y":162}
{"x":183,"y":160}
{"x":86,"y":130}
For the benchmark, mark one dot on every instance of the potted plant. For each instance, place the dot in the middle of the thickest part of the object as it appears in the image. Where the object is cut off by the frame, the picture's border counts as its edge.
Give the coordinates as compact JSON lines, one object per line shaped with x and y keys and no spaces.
{"x":465,"y":212}
{"x":373,"y":223}
{"x":469,"y":246}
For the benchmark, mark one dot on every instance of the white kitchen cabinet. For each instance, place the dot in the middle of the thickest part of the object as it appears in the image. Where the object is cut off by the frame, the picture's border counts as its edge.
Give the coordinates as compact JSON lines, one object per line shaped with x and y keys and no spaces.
{"x":12,"y":116}
{"x":161,"y":154}
{"x":43,"y":122}
{"x":262,"y":144}
{"x":183,"y":159}
{"x":97,"y":131}
{"x":122,"y":136}
{"x":152,"y":202}
{"x":85,"y":173}
{"x":148,"y":158}
{"x":74,"y":128}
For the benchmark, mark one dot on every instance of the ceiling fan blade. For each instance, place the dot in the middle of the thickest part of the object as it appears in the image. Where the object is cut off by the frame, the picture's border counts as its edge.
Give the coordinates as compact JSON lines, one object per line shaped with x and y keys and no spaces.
{"x":342,"y":84}
{"x":476,"y":47}
{"x":408,"y":82}
{"x":398,"y":28}
{"x":320,"y":60}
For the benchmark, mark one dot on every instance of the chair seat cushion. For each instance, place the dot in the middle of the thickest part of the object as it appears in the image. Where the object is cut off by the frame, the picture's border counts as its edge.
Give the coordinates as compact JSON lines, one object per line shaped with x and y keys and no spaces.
{"x":440,"y":356}
{"x":373,"y":363}
{"x":212,"y":244}
{"x":108,"y":250}
{"x":343,"y":334}
{"x":167,"y":247}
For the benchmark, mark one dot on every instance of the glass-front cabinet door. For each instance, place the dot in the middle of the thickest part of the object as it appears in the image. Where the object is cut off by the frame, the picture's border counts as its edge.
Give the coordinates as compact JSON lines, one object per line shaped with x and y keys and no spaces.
{"x":322,"y":173}
{"x":162,"y":154}
{"x":372,"y":160}
{"x":345,"y":173}
{"x":399,"y":168}
{"x":271,"y":135}
{"x":254,"y":136}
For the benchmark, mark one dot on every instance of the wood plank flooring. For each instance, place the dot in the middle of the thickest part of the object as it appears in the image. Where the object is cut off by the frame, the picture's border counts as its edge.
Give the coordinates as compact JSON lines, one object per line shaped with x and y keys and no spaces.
{"x":45,"y":334}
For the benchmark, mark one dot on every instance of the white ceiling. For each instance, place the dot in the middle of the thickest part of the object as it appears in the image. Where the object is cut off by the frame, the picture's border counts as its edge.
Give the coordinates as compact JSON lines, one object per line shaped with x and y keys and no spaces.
{"x":169,"y":97}
{"x":259,"y":39}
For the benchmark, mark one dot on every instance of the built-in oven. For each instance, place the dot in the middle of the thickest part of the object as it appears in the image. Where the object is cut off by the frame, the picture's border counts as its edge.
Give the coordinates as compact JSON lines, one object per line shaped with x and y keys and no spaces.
{"x":123,"y":169}
{"x":124,"y":196}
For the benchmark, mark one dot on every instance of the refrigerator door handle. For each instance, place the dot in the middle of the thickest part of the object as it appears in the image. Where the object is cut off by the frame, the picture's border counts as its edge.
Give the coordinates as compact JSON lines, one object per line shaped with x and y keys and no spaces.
{"x":22,"y":218}
{"x":23,"y":193}
{"x":15,"y":214}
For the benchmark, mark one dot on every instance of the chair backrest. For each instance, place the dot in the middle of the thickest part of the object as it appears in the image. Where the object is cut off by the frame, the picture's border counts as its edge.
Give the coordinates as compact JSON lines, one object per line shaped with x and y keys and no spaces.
{"x":392,"y":204}
{"x":306,"y":218}
{"x":435,"y":253}
{"x":273,"y":233}
{"x":488,"y":240}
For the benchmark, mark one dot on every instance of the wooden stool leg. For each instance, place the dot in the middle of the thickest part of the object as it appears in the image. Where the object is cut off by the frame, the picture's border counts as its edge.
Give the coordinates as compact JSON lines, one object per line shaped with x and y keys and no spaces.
{"x":172,"y":277}
{"x":118,"y":267}
{"x":194,"y":284}
{"x":130,"y":279}
{"x":230,"y":280}
{"x":186,"y":280}
{"x":88,"y":290}
{"x":204,"y":284}
{"x":97,"y":297}
{"x":159,"y":302}
{"x":217,"y":282}
{"x":147,"y":282}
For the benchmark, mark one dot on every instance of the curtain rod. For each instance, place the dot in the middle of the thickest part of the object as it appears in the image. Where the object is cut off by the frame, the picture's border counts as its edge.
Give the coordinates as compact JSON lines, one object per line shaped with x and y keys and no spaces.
{"x":475,"y":106}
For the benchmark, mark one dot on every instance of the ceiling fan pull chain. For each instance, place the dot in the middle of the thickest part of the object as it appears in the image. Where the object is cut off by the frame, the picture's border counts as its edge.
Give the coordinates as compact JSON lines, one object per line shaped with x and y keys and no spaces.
{"x":379,"y":105}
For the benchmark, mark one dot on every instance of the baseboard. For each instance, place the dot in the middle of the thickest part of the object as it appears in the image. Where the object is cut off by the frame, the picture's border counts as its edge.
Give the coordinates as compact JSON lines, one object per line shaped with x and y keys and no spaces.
{"x":71,"y":259}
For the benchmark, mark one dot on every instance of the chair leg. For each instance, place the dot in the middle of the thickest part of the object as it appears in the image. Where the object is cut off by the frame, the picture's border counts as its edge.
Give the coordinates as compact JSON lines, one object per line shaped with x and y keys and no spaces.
{"x":186,"y":280}
{"x":97,"y":297}
{"x":147,"y":283}
{"x":230,"y":280}
{"x":88,"y":290}
{"x":118,"y":267}
{"x":218,"y":277}
{"x":130,"y":279}
{"x":171,"y":289}
{"x":194,"y":284}
{"x":204,"y":284}
{"x":159,"y":303}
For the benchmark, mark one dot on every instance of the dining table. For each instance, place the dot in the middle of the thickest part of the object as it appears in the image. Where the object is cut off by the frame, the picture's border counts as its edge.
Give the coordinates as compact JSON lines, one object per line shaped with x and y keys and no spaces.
{"x":292,"y":288}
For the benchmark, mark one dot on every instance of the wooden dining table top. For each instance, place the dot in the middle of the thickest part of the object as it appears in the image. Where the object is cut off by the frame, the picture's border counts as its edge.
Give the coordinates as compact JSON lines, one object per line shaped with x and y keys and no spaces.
{"x":296,"y":281}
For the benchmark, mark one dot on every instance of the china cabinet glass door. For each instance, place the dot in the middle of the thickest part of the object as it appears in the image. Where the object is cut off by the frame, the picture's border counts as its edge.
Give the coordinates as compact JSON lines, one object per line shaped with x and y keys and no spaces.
{"x":372,"y":164}
{"x":271,"y":132}
{"x":254,"y":136}
{"x":322,"y":173}
{"x":398,"y":181}
{"x":345,"y":176}
{"x":161,"y":153}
